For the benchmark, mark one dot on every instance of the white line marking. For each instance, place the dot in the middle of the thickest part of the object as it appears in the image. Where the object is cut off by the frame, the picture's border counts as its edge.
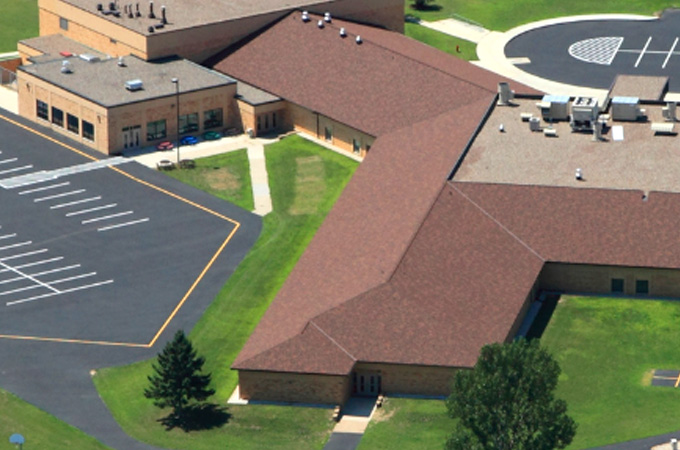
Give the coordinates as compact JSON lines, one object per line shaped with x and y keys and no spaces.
{"x":44,"y":188}
{"x":37,"y":297}
{"x":125,"y":224}
{"x":38,"y":274}
{"x":27,"y":288}
{"x":85,"y":211}
{"x":16,"y":169}
{"x":85,"y":200}
{"x":7,"y":236}
{"x":21,"y":255}
{"x":75,"y":277}
{"x":110,"y":216}
{"x":9,"y":160}
{"x":670,"y":52}
{"x":642,"y":53}
{"x":19,"y":244}
{"x":64,"y":194}
{"x":36,"y":263}
{"x":33,"y":279}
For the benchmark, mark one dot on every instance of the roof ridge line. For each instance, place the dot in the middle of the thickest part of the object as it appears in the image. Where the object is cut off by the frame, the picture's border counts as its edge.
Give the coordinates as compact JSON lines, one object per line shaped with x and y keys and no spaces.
{"x":311,"y":322}
{"x":500,"y":225}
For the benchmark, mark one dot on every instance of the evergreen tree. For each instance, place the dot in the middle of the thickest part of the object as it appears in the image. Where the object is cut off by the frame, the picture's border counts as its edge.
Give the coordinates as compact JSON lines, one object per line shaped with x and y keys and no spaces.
{"x":177,"y":380}
{"x":507,"y":401}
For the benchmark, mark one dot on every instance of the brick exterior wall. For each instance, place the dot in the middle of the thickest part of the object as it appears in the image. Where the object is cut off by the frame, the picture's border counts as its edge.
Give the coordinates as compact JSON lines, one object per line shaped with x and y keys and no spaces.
{"x":293,"y":387}
{"x":411,"y":379}
{"x":314,"y":124}
{"x":583,"y":278}
{"x":249,"y":114}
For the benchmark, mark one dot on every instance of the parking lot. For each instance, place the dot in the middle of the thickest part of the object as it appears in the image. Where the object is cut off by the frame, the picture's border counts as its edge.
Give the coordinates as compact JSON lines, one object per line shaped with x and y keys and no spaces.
{"x":105,"y":252}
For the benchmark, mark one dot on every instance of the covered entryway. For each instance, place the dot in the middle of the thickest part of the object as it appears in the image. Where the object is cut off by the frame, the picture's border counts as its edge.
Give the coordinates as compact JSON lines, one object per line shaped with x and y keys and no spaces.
{"x":366,"y":384}
{"x":131,"y":136}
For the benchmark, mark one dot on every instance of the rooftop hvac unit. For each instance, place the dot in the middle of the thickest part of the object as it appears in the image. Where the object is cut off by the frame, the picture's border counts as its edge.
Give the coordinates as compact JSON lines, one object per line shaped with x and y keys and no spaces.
{"x":584,"y":113}
{"x":66,"y":67}
{"x":134,"y":85}
{"x":554,"y":107}
{"x":669,"y":112}
{"x":505,"y":94}
{"x":89,"y":57}
{"x":626,"y":108}
{"x":535,"y":124}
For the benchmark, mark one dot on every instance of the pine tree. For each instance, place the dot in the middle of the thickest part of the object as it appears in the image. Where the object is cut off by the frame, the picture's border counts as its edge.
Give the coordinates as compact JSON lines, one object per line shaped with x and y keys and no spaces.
{"x":177,"y":380}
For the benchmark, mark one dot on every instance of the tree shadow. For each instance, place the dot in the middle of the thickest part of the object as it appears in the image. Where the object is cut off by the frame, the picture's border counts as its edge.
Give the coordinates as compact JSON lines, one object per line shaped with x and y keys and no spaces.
{"x":426,"y":7}
{"x":197,"y":417}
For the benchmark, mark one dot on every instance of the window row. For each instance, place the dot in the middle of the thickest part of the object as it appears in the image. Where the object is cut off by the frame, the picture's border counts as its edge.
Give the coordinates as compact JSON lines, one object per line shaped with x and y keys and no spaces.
{"x":188,"y":123}
{"x":73,"y":123}
{"x":641,"y":286}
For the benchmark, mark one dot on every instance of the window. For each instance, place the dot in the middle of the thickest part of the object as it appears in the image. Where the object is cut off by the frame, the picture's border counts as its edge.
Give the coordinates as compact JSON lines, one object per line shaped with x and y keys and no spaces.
{"x":368,"y":147}
{"x":57,"y":117}
{"x":212,"y":118}
{"x":88,"y":130}
{"x":642,"y":287}
{"x":63,"y":24}
{"x":273,"y":120}
{"x":42,"y":110}
{"x":328,"y":134}
{"x":259,"y":123}
{"x":73,"y":123}
{"x":266,"y":121}
{"x":617,"y":285}
{"x":356,"y":146}
{"x":155,"y":130}
{"x":188,"y":123}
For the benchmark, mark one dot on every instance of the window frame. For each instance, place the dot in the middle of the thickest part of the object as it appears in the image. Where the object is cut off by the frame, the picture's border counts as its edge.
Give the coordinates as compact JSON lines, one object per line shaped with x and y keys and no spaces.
{"x":63,"y":23}
{"x":156,"y":130}
{"x":614,"y":284}
{"x":189,"y":126}
{"x":211,"y":120}
{"x":86,"y":134}
{"x":638,"y":284}
{"x":57,"y":117}
{"x":42,"y":106}
{"x":74,"y":128}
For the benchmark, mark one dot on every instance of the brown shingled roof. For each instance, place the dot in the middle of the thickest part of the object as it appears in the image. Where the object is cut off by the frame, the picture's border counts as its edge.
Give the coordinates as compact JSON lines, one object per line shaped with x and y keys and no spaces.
{"x":387,"y":82}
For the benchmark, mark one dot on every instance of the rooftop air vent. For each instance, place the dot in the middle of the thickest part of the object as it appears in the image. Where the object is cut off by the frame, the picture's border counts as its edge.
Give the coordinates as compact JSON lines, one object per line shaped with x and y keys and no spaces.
{"x":327,"y":17}
{"x":358,"y":40}
{"x":319,"y":24}
{"x":89,"y":57}
{"x":343,"y":33}
{"x":151,"y":29}
{"x":137,"y":13}
{"x":134,"y":85}
{"x":121,"y":62}
{"x":305,"y":16}
{"x":164,"y":20}
{"x":100,"y":7}
{"x":66,"y":67}
{"x":151,"y":14}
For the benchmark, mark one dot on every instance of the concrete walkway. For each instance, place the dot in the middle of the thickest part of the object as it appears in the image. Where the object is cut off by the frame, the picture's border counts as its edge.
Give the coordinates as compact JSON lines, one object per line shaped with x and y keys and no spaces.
{"x":458,"y":28}
{"x":350,"y":429}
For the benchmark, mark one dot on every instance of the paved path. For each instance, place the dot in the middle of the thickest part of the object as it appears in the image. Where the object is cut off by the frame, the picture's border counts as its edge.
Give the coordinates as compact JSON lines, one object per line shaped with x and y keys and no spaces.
{"x":356,"y":414}
{"x":260,"y":179}
{"x":458,"y":28}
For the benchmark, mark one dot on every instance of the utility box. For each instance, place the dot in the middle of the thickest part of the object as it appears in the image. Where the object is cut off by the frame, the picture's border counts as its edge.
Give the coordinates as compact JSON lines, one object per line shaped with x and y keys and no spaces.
{"x":626,"y":108}
{"x":584,"y":113}
{"x":554,"y":107}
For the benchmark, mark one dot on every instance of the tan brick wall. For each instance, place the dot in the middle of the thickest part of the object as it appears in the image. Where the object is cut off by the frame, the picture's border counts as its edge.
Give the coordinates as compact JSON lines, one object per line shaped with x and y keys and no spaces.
{"x":90,"y":29}
{"x":31,"y":89}
{"x":293,"y":387}
{"x":306,"y":121}
{"x":249,"y":114}
{"x":411,"y":379}
{"x":26,"y":52}
{"x":584,"y":278}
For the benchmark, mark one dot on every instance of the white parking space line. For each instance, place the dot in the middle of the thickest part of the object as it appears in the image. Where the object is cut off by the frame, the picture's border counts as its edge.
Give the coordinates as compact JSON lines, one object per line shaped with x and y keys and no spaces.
{"x":16,"y":169}
{"x":75,"y":277}
{"x":44,"y":272}
{"x":27,"y":276}
{"x":64,"y":194}
{"x":8,"y":160}
{"x":8,"y":236}
{"x":21,"y":255}
{"x":52,"y":294}
{"x":18,"y":244}
{"x":77,"y":202}
{"x":85,"y":211}
{"x":642,"y":53}
{"x":44,"y":188}
{"x":27,"y":288}
{"x":36,"y":263}
{"x":670,"y":52}
{"x":125,"y":224}
{"x":110,"y":216}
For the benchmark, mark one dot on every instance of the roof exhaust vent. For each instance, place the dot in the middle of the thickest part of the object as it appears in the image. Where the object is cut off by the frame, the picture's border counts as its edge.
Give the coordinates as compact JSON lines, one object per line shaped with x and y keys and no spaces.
{"x":134,"y":85}
{"x":89,"y":57}
{"x":151,"y":29}
{"x":343,"y":33}
{"x":151,"y":14}
{"x":305,"y":16}
{"x":130,"y":14}
{"x":358,"y":40}
{"x":164,"y":20}
{"x":137,"y":13}
{"x":121,"y":62}
{"x":66,"y":67}
{"x":319,"y":24}
{"x":505,"y":94}
{"x":327,"y":17}
{"x":100,"y":7}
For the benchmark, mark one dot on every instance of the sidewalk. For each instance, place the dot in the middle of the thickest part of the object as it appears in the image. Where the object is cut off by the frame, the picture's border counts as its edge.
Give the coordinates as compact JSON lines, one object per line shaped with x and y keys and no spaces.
{"x":458,"y":28}
{"x":356,"y":415}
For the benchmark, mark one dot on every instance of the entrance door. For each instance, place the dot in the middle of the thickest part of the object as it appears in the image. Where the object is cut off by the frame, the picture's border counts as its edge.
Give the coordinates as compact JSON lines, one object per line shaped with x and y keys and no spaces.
{"x":367,"y":384}
{"x":131,"y":136}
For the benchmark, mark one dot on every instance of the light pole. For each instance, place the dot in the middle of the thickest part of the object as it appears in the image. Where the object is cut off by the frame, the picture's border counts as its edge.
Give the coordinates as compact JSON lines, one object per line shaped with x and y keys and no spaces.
{"x":175,"y":81}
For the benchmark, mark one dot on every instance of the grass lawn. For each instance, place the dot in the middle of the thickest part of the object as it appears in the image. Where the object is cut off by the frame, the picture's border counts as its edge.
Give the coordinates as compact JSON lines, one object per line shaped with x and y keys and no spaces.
{"x":502,"y":15}
{"x":408,"y":424}
{"x":226,"y":176}
{"x":607,"y":349}
{"x":305,"y":180}
{"x":18,"y":20}
{"x":442,"y":41}
{"x":40,"y":429}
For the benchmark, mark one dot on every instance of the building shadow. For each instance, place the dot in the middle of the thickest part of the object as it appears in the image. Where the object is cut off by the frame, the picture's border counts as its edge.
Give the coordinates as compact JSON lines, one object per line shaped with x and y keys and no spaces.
{"x":543,"y":317}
